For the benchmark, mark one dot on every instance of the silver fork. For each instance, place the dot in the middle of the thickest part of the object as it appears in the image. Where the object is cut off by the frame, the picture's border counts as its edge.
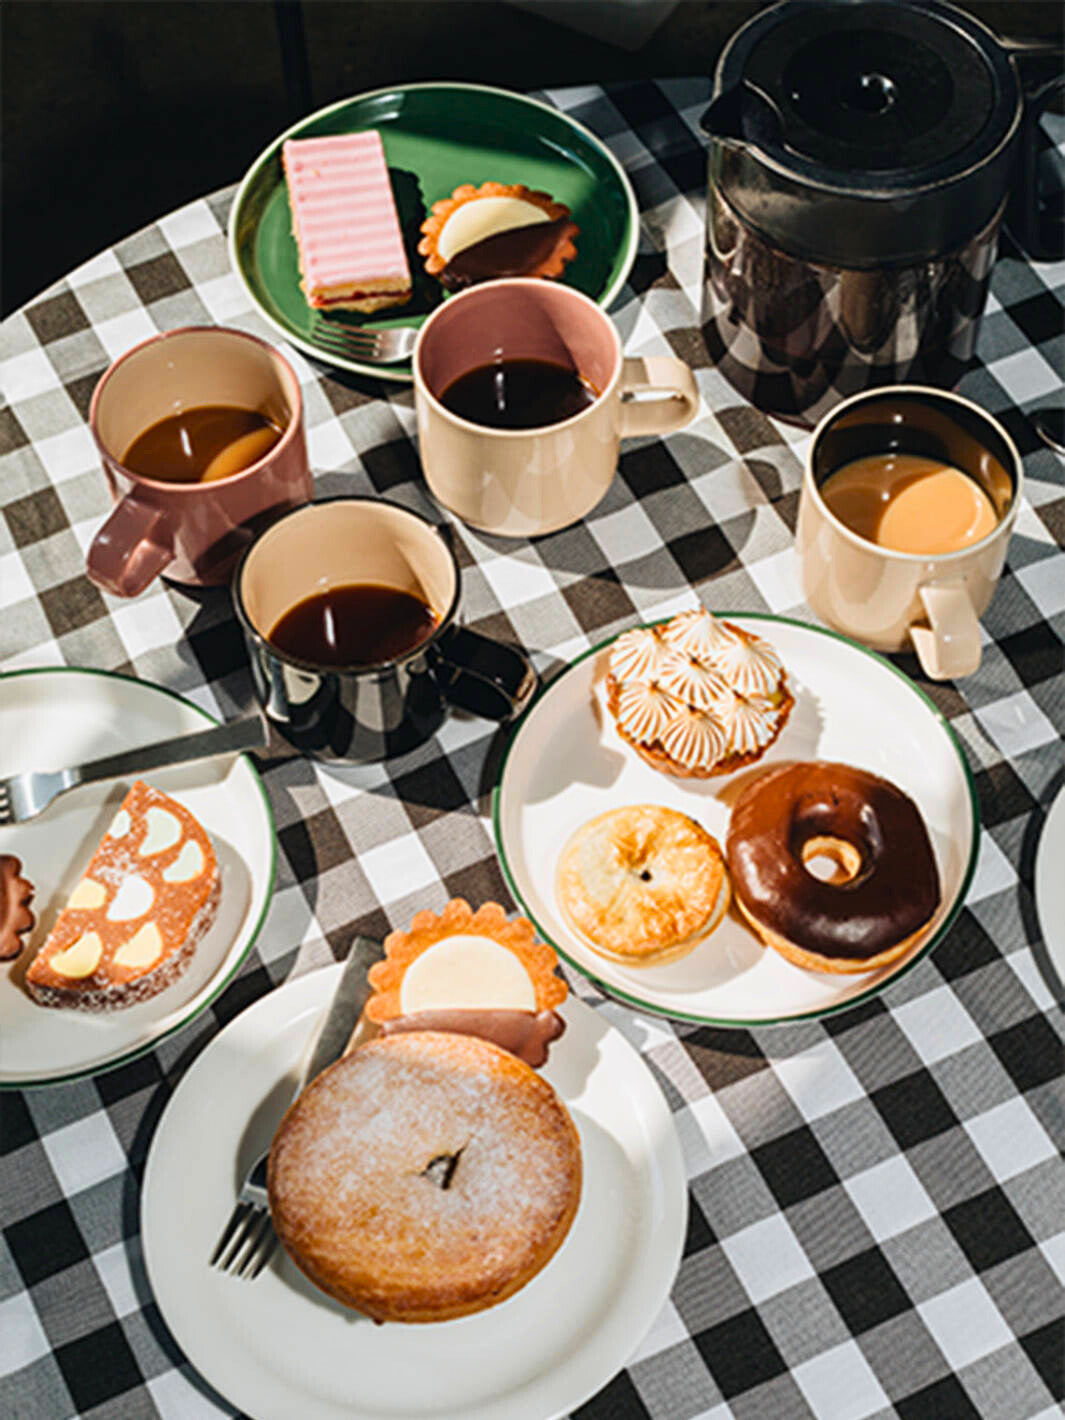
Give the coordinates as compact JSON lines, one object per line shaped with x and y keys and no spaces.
{"x":376,"y":347}
{"x":248,"y":1239}
{"x":24,"y":795}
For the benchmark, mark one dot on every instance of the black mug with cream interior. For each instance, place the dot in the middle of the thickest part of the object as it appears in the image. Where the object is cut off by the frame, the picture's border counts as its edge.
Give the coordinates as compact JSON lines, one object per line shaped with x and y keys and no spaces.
{"x":349,"y":608}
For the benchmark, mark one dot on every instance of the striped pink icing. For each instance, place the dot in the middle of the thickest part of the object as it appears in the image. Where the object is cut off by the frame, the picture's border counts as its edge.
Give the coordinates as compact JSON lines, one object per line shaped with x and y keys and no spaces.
{"x":344,"y":211}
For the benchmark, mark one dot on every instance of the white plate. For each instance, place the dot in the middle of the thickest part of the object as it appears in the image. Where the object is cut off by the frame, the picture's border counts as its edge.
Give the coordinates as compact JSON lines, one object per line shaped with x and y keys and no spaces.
{"x":1050,"y":884}
{"x":278,"y":1348}
{"x":567,"y":763}
{"x":55,"y":717}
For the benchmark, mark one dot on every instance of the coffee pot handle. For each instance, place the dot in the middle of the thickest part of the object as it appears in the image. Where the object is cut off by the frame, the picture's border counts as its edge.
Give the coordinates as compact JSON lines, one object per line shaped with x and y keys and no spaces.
{"x":949,"y":647}
{"x":1036,"y":220}
{"x":484,"y":676}
{"x":131,"y":548}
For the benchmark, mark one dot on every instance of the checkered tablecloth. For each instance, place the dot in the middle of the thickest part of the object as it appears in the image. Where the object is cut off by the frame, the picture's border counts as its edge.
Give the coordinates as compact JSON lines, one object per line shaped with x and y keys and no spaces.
{"x":877,"y":1203}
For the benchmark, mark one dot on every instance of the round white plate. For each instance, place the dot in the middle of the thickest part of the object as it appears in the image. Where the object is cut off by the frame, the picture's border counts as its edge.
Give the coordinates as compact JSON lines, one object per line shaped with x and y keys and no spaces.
{"x":566,"y":763}
{"x":55,"y":717}
{"x":279,"y":1348}
{"x":1050,"y":884}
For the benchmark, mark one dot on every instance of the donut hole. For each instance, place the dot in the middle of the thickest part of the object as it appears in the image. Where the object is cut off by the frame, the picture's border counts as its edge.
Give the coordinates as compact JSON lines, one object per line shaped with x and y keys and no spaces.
{"x":831,"y":860}
{"x":645,"y":875}
{"x":441,"y":1169}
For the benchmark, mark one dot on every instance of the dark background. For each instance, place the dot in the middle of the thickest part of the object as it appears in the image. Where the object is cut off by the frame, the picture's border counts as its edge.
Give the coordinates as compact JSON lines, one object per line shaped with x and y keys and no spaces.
{"x":114,"y":112}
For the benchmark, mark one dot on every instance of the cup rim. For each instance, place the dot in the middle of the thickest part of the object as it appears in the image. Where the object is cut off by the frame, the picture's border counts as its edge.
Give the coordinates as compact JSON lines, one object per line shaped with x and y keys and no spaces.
{"x":288,"y":435}
{"x":361,"y":668}
{"x":535,"y":283}
{"x":810,"y":485}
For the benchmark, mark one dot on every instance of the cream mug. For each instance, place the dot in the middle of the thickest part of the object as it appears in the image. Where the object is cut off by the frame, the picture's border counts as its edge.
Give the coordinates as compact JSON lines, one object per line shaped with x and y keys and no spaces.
{"x":895,"y":601}
{"x":527,"y":481}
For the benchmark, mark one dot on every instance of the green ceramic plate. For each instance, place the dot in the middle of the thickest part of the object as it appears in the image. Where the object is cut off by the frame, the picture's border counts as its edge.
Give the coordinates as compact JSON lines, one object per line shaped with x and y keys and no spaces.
{"x":437,"y":136}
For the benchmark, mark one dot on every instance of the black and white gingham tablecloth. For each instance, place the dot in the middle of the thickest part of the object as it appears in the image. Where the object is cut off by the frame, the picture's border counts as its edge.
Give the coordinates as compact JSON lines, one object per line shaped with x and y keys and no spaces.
{"x":877,"y":1202}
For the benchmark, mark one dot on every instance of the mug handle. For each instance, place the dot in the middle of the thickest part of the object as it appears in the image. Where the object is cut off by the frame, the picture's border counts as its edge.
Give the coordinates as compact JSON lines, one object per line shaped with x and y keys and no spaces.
{"x":484,"y":676}
{"x":131,"y":548}
{"x":949,"y":647}
{"x":668,"y":378}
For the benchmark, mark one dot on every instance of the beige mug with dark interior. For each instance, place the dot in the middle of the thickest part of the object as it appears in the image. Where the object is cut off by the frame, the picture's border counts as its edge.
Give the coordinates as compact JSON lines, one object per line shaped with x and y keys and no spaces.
{"x":523,"y":397}
{"x":909,"y":498}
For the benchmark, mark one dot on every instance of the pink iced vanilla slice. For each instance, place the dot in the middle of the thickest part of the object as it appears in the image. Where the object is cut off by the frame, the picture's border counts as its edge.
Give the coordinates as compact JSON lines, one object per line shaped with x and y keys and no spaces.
{"x":344,"y":220}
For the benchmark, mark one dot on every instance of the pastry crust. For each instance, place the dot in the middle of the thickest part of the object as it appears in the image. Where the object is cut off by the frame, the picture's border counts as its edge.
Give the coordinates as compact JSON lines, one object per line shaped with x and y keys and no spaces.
{"x":643,"y":884}
{"x":458,"y":919}
{"x":434,"y":224}
{"x":424,"y":1176}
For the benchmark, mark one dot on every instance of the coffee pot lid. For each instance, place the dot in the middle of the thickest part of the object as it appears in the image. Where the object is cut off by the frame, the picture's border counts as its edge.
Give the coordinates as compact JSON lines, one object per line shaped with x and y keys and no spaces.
{"x":865,"y":131}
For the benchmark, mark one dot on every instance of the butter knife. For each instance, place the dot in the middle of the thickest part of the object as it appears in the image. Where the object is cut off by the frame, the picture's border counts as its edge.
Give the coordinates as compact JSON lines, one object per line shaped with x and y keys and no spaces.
{"x":339,"y":1023}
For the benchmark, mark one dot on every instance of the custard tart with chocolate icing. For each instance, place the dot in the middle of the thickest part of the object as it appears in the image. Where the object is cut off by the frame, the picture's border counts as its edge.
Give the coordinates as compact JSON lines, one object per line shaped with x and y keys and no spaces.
{"x":495,"y":230}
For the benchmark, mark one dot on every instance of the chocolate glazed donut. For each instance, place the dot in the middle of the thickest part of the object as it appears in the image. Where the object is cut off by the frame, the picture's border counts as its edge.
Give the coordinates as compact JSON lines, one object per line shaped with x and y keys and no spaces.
{"x":888,"y":886}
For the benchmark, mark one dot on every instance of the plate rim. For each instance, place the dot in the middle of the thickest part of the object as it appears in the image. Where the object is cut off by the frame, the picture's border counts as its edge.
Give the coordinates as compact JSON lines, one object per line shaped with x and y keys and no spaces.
{"x":90,"y":1071}
{"x":753,"y":1023}
{"x":674,"y":1168}
{"x":402,"y":373}
{"x":1054,"y":821}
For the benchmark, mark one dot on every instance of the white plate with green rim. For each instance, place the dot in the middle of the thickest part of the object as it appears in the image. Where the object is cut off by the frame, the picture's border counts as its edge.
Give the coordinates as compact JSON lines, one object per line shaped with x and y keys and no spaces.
{"x":436,"y":136}
{"x":566,"y":763}
{"x":280,"y":1349}
{"x":50,"y":718}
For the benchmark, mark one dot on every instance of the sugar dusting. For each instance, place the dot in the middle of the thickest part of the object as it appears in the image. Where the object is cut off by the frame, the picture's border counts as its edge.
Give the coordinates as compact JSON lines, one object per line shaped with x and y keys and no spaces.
{"x":349,"y":1182}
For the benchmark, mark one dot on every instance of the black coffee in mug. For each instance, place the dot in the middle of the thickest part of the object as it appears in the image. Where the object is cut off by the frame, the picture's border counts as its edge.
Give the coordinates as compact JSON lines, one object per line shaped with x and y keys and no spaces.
{"x":361,"y":624}
{"x":518,"y":394}
{"x":367,"y":668}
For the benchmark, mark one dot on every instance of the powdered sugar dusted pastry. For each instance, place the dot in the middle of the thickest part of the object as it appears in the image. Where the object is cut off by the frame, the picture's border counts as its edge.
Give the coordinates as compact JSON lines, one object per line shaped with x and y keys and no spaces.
{"x":131,"y":925}
{"x":344,"y":220}
{"x":697,"y":697}
{"x":424,"y":1176}
{"x":472,"y":972}
{"x":16,"y":894}
{"x":642,"y":884}
{"x":482,"y":233}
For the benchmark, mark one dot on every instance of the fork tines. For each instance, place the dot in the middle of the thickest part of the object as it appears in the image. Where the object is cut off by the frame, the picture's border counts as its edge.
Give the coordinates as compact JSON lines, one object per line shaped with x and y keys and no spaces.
{"x":248,"y":1242}
{"x":7,"y":812}
{"x":348,"y":338}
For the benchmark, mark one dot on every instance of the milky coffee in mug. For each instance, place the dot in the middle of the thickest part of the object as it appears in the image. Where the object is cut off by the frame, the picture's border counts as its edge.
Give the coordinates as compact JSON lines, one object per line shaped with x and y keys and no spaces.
{"x":909,"y":497}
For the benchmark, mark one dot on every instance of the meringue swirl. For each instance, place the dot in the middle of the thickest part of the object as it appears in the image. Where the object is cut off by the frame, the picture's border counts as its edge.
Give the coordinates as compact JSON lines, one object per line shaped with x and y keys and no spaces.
{"x":750,"y":723}
{"x":700,"y":685}
{"x":694,"y":739}
{"x":698,"y":635}
{"x":751,"y":666}
{"x":636,"y":655}
{"x":644,"y":710}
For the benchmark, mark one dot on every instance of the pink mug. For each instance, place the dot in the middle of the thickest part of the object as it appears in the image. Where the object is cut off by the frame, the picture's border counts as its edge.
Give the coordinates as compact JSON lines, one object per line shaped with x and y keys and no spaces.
{"x":192,"y":532}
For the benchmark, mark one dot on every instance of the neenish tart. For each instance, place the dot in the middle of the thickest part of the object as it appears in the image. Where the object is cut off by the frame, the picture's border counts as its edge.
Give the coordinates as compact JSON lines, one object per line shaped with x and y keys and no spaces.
{"x":887,"y":887}
{"x":697,"y":697}
{"x":351,"y":250}
{"x":642,"y":884}
{"x":424,"y":1176}
{"x":131,"y":925}
{"x":472,"y":972}
{"x":495,"y":230}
